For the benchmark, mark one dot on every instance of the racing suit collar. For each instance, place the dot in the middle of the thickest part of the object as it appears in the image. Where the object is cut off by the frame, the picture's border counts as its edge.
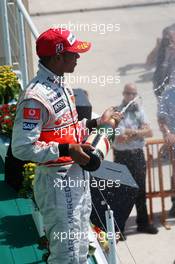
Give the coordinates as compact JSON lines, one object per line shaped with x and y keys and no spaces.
{"x":49,"y":75}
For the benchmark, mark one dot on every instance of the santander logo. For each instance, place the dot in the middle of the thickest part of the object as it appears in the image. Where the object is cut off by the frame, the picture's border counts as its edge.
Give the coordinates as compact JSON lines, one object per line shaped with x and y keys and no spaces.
{"x":58,"y":122}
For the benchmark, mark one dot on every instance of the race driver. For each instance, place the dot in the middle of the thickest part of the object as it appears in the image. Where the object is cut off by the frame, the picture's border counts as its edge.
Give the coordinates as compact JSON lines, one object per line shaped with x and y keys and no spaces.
{"x":47,"y":131}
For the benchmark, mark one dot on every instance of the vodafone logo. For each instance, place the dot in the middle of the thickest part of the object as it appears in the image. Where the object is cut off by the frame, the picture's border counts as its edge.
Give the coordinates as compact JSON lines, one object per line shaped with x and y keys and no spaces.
{"x":31,"y":113}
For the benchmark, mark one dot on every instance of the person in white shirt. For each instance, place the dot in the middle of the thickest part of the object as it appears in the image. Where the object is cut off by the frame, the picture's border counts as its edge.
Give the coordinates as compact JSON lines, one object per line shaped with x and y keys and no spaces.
{"x":128,"y":150}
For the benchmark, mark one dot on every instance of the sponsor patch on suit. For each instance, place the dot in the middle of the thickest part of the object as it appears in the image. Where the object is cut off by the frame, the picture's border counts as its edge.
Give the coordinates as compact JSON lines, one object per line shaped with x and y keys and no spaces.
{"x":31,"y":113}
{"x":52,"y":98}
{"x":59,"y":106}
{"x":29,"y":125}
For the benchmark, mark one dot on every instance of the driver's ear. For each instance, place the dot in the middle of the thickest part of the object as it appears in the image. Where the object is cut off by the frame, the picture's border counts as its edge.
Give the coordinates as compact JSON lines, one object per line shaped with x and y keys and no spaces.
{"x":56,"y":58}
{"x":59,"y":57}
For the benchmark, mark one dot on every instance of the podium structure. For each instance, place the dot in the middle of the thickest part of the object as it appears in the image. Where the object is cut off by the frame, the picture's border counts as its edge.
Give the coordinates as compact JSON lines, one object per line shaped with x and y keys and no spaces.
{"x":120,"y":196}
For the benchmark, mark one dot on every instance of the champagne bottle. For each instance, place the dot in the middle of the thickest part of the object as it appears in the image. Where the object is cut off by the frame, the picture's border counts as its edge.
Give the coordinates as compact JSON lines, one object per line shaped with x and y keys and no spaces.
{"x":101,"y":138}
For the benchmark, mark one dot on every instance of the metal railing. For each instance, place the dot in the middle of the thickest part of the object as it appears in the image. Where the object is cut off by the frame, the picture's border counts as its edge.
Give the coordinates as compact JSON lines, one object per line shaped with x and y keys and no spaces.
{"x":11,"y":40}
{"x":160,"y":175}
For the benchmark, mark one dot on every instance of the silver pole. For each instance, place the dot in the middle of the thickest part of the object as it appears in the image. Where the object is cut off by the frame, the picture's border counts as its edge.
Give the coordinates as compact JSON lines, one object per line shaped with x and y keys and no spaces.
{"x":22,"y":53}
{"x":112,"y":256}
{"x":28,"y":19}
{"x":6,"y":34}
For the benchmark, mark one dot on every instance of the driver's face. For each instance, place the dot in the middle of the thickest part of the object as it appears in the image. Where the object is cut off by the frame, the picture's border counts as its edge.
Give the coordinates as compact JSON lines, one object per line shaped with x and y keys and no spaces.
{"x":70,"y":61}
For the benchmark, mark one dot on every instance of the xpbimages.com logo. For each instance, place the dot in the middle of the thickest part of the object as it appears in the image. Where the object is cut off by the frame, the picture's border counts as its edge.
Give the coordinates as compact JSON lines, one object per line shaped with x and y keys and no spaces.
{"x":70,"y":235}
{"x":71,"y":131}
{"x":93,"y":79}
{"x":100,"y":28}
{"x":68,"y":183}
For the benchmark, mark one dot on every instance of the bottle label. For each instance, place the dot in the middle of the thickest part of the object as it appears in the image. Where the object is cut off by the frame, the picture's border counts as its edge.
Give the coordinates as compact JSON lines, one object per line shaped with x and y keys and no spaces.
{"x":99,"y":142}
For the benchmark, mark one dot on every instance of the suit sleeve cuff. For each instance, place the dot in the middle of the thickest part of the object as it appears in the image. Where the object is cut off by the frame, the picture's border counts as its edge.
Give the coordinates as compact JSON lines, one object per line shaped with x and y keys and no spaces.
{"x":91,"y":123}
{"x":63,"y":150}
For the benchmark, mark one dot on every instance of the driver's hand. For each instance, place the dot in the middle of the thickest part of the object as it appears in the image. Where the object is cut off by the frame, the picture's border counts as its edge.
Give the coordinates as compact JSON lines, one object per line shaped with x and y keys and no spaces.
{"x":77,"y":153}
{"x":109,"y":114}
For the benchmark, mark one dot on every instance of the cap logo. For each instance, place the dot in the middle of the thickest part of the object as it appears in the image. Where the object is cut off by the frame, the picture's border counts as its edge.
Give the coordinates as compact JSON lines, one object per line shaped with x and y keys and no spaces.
{"x":83,"y":46}
{"x":71,"y":39}
{"x":59,"y":47}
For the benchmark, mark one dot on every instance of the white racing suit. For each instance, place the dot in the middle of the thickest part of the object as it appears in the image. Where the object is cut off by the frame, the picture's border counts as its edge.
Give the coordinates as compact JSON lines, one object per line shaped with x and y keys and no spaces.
{"x":46,"y":122}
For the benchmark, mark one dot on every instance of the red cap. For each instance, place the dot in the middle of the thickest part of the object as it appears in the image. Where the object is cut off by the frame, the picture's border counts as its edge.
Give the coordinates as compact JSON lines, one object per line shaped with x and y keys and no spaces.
{"x":58,"y":40}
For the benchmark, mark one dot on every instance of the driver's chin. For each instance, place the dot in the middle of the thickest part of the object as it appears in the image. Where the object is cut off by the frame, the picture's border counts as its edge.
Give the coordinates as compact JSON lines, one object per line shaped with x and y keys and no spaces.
{"x":70,"y":69}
